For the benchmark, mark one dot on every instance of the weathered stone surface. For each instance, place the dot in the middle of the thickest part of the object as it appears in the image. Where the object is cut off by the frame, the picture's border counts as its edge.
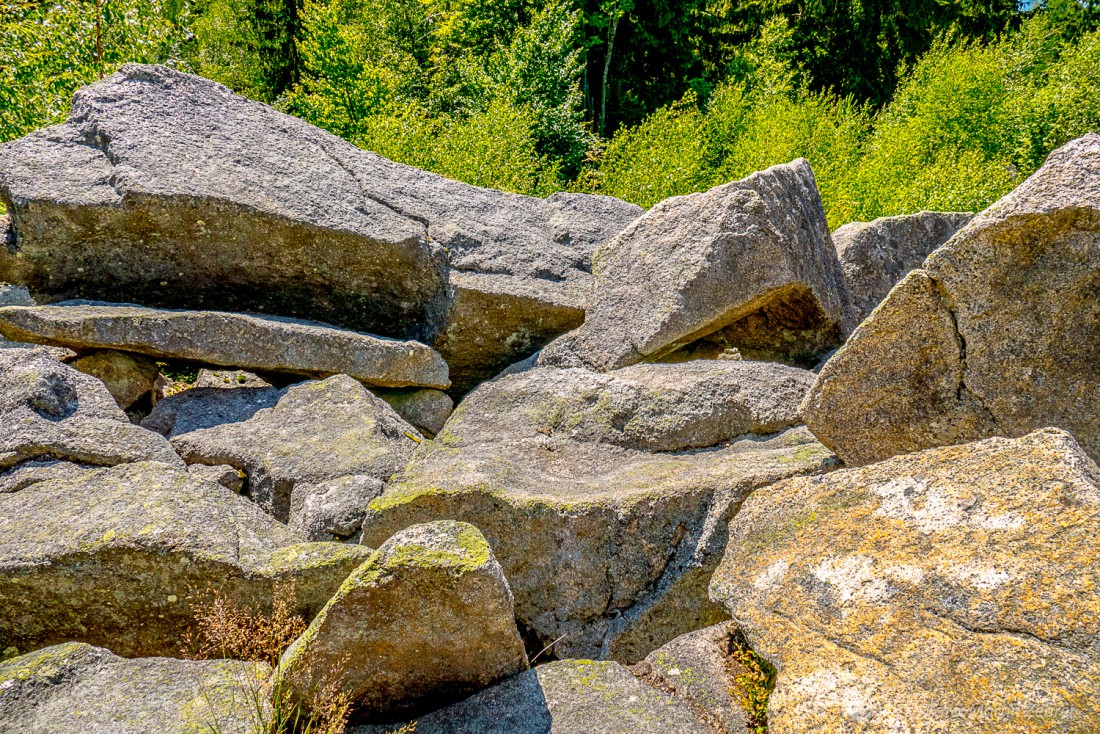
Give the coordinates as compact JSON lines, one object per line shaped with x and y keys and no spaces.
{"x":237,"y":340}
{"x":60,"y":354}
{"x":223,"y":474}
{"x":425,"y":408}
{"x":563,"y":697}
{"x":603,"y":539}
{"x":426,"y":621}
{"x":113,"y":556}
{"x":316,"y":431}
{"x":170,"y":190}
{"x":229,"y":378}
{"x":128,"y":377}
{"x":747,"y":265}
{"x":997,"y":335}
{"x":32,"y":472}
{"x":14,"y":295}
{"x":207,"y":407}
{"x":333,"y":510}
{"x":74,"y":687}
{"x":947,"y":590}
{"x":48,"y":409}
{"x":699,"y":669}
{"x":876,"y":255}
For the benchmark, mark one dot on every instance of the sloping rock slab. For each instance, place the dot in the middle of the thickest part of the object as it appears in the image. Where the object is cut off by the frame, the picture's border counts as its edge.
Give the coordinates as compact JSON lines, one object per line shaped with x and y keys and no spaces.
{"x":207,"y":407}
{"x":76,"y":688}
{"x":112,"y":557}
{"x":48,"y":409}
{"x":168,"y":189}
{"x":264,"y":343}
{"x":947,"y":590}
{"x":604,"y":540}
{"x":564,"y":697}
{"x":426,"y":621}
{"x":748,"y":265}
{"x":877,"y":255}
{"x":996,"y":336}
{"x":316,"y":431}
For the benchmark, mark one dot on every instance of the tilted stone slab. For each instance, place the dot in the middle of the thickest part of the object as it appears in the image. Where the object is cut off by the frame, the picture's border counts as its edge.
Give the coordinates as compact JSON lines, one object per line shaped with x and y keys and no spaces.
{"x":995,"y":336}
{"x":605,"y":496}
{"x":562,"y":697}
{"x":314,"y":432}
{"x":877,"y":255}
{"x":263,"y":343}
{"x":425,"y":622}
{"x":117,"y":558}
{"x":170,"y":190}
{"x":748,"y":265}
{"x":50,"y":410}
{"x":74,"y":687}
{"x":947,"y":590}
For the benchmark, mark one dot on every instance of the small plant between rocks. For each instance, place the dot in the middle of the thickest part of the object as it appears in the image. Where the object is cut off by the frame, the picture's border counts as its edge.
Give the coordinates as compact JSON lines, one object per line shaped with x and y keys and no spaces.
{"x":223,"y":629}
{"x":753,"y":685}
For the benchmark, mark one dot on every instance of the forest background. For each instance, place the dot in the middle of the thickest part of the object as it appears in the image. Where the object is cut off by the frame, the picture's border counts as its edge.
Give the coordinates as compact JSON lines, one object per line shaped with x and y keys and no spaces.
{"x":899,"y":105}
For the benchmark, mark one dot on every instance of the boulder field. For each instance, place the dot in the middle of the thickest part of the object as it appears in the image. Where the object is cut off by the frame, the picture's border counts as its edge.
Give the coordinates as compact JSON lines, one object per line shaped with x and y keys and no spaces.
{"x":291,"y":430}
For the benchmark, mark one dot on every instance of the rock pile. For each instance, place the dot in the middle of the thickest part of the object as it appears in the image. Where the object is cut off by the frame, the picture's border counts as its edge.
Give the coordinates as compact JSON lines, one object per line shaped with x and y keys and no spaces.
{"x":632,"y":521}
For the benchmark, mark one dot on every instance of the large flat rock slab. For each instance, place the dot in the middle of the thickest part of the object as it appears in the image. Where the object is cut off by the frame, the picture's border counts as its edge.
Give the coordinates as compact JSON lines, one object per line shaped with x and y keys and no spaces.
{"x":748,"y":265}
{"x":947,"y":590}
{"x":606,"y":496}
{"x":425,"y":622}
{"x":112,"y":557}
{"x":170,"y":190}
{"x":313,"y":432}
{"x":563,"y":697}
{"x":50,"y":410}
{"x":262,"y":343}
{"x":75,"y":688}
{"x":997,"y":335}
{"x":877,"y":255}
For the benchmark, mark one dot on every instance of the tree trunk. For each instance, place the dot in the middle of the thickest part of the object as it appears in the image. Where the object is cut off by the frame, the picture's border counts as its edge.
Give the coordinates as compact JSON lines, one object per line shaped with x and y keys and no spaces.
{"x":606,"y":73}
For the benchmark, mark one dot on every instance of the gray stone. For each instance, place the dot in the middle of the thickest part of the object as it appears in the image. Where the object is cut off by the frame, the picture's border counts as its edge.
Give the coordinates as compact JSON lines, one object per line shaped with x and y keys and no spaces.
{"x":170,"y":190}
{"x":118,"y":557}
{"x":700,"y":669}
{"x":207,"y":407}
{"x":229,"y":378}
{"x":224,"y":475}
{"x":426,"y":621}
{"x":50,"y":410}
{"x":563,"y":697}
{"x":995,"y":336}
{"x":14,"y":295}
{"x":31,"y":472}
{"x":606,"y":496}
{"x":425,"y":408}
{"x":75,"y":688}
{"x":266,"y":343}
{"x":946,"y":590}
{"x":333,"y":510}
{"x":748,"y":265}
{"x":316,"y":431}
{"x":128,"y":377}
{"x":877,"y":255}
{"x":59,"y":354}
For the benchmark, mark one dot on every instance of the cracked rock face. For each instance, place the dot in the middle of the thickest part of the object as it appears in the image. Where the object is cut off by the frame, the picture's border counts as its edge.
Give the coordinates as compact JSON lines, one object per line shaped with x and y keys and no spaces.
{"x":563,"y":697}
{"x":748,"y":265}
{"x":997,"y":335}
{"x":877,"y":255}
{"x":426,"y":621}
{"x":947,"y":590}
{"x":75,"y":687}
{"x":49,"y":410}
{"x":112,"y":557}
{"x":606,"y":496}
{"x":313,"y":432}
{"x":169,"y":190}
{"x":265,"y":343}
